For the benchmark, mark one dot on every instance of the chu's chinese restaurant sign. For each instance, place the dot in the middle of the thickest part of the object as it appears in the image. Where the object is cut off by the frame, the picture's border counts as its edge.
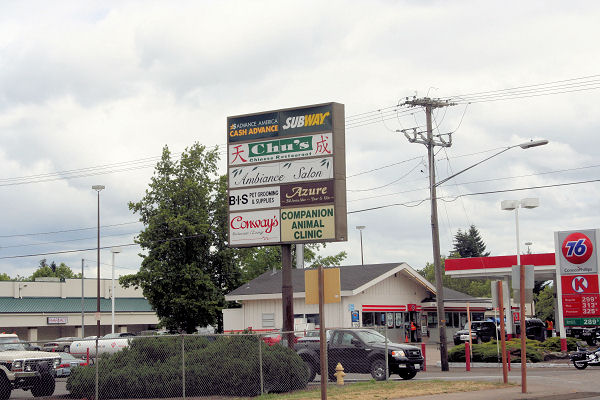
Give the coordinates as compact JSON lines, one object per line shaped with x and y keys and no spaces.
{"x":287,"y":176}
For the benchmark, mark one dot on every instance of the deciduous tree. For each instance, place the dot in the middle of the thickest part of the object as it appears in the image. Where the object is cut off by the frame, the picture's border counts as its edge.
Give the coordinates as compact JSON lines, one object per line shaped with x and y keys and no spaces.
{"x":185,"y":266}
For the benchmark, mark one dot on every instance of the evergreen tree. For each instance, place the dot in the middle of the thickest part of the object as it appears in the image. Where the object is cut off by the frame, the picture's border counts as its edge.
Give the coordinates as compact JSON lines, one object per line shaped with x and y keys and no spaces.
{"x":469,"y":244}
{"x":61,"y":271}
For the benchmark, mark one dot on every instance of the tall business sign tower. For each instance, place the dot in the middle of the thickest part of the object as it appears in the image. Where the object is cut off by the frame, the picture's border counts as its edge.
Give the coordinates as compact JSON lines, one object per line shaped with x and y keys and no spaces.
{"x":287,"y":176}
{"x":577,"y":279}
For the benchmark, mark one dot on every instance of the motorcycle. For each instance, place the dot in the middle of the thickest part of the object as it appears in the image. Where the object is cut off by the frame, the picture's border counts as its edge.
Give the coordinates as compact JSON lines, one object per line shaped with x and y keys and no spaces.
{"x":584,"y":357}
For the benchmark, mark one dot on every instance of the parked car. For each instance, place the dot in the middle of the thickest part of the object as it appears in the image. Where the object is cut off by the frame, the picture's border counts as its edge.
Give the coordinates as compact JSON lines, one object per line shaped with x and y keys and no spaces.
{"x":67,"y":363}
{"x":118,"y":335}
{"x":61,"y":344}
{"x":536,"y":329}
{"x":587,"y":334}
{"x":276,"y":338}
{"x":362,"y":351}
{"x":30,"y":346}
{"x":312,"y":336}
{"x":26,"y":370}
{"x":481,"y":331}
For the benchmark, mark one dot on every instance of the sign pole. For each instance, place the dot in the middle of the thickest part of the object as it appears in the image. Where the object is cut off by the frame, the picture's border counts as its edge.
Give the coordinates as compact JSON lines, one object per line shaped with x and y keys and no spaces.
{"x":322,"y":335}
{"x":287,"y":293}
{"x":523,"y":331}
{"x":502,"y":332}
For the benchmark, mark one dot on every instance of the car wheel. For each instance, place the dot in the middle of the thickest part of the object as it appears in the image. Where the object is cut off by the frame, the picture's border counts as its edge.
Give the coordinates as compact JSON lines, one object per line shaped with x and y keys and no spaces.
{"x":46,"y":384}
{"x":5,"y":388}
{"x":312,"y":371}
{"x":580,"y":364}
{"x":378,"y":370}
{"x":66,"y":349}
{"x":408,"y":374}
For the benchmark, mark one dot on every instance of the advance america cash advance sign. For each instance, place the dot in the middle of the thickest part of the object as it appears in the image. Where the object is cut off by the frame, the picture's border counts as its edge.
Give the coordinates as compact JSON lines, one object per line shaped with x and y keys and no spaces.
{"x":287,"y":176}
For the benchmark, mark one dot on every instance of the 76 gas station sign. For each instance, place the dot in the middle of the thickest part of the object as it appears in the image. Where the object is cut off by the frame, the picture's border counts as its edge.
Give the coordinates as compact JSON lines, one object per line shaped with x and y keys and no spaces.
{"x":578,"y":266}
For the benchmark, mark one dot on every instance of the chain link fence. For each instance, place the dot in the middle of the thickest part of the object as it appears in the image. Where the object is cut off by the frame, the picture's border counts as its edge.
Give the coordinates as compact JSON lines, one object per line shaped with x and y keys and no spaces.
{"x":245,"y":364}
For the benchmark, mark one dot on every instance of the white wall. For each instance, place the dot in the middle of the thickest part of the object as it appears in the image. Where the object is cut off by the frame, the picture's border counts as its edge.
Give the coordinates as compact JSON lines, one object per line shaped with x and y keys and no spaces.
{"x":395,"y":290}
{"x":69,"y":288}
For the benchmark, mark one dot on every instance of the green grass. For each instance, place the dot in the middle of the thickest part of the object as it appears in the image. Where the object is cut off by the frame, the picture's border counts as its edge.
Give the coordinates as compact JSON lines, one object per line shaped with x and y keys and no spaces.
{"x":387,"y":390}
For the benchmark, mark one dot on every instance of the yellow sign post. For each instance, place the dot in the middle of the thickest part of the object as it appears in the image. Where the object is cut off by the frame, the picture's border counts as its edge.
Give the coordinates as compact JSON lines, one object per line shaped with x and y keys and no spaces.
{"x":332,"y":285}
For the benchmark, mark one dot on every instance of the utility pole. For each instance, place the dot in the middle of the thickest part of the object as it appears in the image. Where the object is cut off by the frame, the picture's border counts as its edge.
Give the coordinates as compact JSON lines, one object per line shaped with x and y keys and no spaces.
{"x":430,"y":141}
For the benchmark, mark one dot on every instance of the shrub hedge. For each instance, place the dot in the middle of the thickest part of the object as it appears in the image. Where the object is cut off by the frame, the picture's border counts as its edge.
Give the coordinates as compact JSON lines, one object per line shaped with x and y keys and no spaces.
{"x":216,"y":366}
{"x":488,"y":352}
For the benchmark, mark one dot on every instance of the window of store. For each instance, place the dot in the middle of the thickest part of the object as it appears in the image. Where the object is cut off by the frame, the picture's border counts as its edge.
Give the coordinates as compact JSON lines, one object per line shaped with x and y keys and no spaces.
{"x":373,"y":318}
{"x":313,"y":319}
{"x":268,"y":320}
{"x":432,"y":321}
{"x":368,"y":319}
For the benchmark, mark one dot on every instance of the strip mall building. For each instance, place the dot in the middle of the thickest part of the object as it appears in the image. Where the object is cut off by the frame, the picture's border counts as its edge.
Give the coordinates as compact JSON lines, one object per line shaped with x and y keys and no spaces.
{"x":45,"y":310}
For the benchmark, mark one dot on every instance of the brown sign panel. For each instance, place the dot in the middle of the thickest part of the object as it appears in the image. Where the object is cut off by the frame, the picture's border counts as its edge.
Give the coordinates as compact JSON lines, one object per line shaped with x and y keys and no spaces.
{"x":306,"y":193}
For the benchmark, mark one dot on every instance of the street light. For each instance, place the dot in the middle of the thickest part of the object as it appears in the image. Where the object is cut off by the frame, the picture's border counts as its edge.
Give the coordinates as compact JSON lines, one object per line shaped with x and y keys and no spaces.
{"x":98,"y":188}
{"x":21,"y":286}
{"x":439,"y":287}
{"x":510,"y":205}
{"x":360,"y":229}
{"x":113,"y":251}
{"x":528,"y":249}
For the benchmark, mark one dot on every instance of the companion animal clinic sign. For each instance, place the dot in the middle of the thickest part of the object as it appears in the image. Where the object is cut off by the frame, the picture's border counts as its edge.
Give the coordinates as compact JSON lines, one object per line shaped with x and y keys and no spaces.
{"x":287,"y":176}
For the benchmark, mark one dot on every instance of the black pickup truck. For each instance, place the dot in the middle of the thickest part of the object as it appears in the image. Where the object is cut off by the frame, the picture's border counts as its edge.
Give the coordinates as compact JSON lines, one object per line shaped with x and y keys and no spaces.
{"x":361,"y":351}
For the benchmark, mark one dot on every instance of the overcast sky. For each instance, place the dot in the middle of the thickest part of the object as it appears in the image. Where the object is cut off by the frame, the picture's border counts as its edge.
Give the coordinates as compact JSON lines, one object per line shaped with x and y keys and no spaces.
{"x":91,"y":91}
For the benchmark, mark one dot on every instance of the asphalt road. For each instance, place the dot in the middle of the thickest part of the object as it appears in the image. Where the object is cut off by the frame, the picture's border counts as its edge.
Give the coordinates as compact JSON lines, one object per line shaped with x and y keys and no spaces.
{"x":543,"y":383}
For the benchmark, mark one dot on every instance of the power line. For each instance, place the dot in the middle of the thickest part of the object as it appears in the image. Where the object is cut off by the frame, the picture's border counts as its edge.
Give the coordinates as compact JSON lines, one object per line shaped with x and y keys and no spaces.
{"x":68,"y":230}
{"x":387,"y":184}
{"x":454,"y":198}
{"x":413,"y":203}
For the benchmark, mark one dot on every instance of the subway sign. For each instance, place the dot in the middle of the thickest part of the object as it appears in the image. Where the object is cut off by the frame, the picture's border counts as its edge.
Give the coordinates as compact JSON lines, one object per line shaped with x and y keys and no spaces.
{"x":287,"y":176}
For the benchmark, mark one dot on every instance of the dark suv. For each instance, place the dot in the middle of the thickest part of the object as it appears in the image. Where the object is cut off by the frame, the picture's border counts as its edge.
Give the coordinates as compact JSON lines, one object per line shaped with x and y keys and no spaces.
{"x":481,"y":331}
{"x":536,"y":329}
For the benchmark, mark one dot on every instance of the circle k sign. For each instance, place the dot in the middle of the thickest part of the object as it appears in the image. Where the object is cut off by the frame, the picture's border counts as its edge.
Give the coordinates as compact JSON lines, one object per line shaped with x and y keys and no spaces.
{"x":579,"y":284}
{"x":577,"y":248}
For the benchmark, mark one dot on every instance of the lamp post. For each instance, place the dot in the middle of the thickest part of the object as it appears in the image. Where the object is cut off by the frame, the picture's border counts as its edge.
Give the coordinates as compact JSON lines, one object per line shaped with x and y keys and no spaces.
{"x":429,"y":141}
{"x":528,"y":248}
{"x":21,"y":286}
{"x":114,"y":250}
{"x":98,"y":188}
{"x":360,"y":229}
{"x":510,"y":205}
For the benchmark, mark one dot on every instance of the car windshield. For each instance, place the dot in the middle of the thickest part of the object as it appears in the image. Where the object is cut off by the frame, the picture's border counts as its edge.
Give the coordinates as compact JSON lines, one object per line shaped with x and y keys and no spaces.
{"x":11,"y":343}
{"x":371,"y":336}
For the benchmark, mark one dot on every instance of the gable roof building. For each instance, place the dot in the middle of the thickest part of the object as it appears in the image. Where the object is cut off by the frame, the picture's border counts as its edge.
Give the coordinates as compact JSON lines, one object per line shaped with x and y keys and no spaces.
{"x":391,"y":294}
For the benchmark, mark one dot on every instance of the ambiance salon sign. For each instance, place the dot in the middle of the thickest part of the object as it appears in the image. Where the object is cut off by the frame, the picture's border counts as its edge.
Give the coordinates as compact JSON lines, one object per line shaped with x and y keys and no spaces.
{"x":281,"y":172}
{"x":254,"y":198}
{"x":255,"y":227}
{"x":281,"y":149}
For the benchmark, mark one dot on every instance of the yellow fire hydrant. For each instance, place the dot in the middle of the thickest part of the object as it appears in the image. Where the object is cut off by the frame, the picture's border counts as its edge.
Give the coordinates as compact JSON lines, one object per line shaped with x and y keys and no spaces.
{"x":339,"y":374}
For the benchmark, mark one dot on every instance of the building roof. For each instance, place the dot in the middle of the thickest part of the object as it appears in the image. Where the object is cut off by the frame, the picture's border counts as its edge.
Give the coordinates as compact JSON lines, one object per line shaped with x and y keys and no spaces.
{"x":70,"y":305}
{"x":451,"y":294}
{"x":353,"y":279}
